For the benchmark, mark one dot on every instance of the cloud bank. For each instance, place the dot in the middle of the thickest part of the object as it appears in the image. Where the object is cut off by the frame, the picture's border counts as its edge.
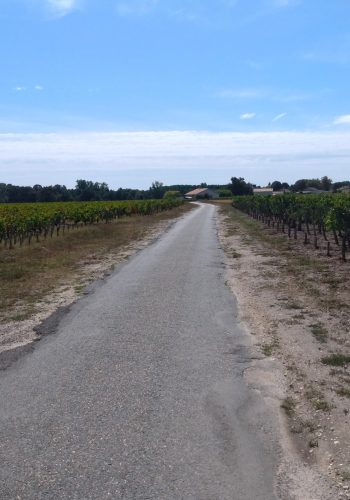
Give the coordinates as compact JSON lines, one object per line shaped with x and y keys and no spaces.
{"x":137,"y":158}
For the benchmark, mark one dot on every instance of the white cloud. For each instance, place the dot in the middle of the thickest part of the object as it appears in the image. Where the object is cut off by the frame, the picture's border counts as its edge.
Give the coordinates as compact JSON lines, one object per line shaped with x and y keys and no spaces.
{"x":20,"y":88}
{"x":247,"y":116}
{"x":342,"y":120}
{"x":62,"y":7}
{"x":135,"y":7}
{"x":127,"y":157}
{"x":279,"y":117}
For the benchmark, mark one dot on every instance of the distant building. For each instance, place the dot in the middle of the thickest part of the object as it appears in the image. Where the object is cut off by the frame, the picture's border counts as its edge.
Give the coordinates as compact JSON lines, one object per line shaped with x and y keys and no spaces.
{"x":201,"y":194}
{"x":263,"y":191}
{"x":344,"y":189}
{"x":283,"y":191}
{"x":312,"y":190}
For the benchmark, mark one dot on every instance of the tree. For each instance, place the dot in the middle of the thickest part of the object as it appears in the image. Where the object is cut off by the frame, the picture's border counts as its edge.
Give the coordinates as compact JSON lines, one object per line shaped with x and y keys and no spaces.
{"x":239,"y":187}
{"x":299,"y":185}
{"x":340,"y":184}
{"x":3,"y":192}
{"x":47,"y":194}
{"x":276,"y":185}
{"x":224,"y":193}
{"x":303,"y":184}
{"x":326,"y":183}
{"x":157,"y":190}
{"x":170,"y":195}
{"x":89,"y":190}
{"x":84,"y":190}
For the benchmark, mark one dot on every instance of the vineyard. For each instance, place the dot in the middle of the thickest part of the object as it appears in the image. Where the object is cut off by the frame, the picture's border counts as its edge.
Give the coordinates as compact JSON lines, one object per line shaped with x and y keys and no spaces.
{"x":315,"y":218}
{"x":21,"y":222}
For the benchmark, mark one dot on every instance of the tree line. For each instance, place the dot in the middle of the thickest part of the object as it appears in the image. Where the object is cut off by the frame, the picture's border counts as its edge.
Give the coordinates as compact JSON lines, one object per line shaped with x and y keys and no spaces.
{"x":239,"y":187}
{"x":86,"y":190}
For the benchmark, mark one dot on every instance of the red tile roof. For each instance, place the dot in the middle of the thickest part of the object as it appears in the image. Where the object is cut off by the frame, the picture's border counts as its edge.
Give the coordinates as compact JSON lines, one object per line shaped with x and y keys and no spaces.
{"x":196,"y":192}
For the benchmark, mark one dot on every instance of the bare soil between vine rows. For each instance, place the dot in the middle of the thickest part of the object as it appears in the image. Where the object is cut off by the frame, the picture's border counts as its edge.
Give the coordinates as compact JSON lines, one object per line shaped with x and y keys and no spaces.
{"x":295,"y":302}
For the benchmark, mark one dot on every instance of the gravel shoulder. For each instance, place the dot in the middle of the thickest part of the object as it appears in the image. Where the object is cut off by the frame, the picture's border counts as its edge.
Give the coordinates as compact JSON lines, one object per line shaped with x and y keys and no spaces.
{"x":297,"y":316}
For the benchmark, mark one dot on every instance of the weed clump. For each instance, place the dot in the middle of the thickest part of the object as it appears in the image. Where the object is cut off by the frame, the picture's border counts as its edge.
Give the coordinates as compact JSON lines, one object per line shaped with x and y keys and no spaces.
{"x":288,"y":404}
{"x":344,"y":392}
{"x":319,"y":332}
{"x":336,"y":360}
{"x":268,"y":349}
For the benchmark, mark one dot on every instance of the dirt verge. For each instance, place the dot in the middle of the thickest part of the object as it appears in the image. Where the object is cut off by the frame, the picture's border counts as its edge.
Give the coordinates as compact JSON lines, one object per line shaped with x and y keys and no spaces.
{"x":296,"y":307}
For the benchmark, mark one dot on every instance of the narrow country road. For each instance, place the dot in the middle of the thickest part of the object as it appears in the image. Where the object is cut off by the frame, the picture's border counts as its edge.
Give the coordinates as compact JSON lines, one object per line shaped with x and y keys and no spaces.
{"x":139,"y":394}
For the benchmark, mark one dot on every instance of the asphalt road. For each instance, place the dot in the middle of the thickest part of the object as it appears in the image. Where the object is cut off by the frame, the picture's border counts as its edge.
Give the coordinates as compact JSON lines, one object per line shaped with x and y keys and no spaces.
{"x":139,"y":394}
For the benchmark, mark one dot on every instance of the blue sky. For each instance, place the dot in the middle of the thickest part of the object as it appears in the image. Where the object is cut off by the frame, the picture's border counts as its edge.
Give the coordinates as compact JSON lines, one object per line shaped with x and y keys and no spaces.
{"x":129,"y":91}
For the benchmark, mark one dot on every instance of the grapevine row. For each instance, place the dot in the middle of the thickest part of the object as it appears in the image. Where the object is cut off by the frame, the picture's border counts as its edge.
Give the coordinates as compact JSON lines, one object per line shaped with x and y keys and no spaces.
{"x":20,"y":222}
{"x":312,"y":216}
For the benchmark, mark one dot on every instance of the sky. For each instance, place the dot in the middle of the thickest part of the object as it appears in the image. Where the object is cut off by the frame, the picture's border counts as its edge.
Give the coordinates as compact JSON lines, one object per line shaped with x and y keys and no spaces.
{"x":180,"y":91}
